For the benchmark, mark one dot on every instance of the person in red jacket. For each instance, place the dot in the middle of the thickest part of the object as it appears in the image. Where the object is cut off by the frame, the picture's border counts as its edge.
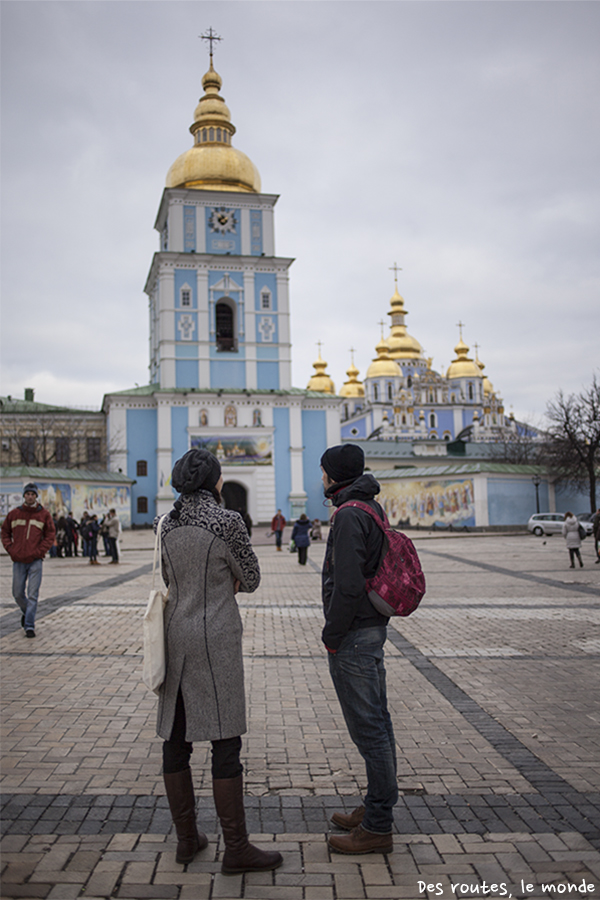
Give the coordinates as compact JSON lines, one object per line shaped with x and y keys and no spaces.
{"x":27,"y":534}
{"x":278,"y":523}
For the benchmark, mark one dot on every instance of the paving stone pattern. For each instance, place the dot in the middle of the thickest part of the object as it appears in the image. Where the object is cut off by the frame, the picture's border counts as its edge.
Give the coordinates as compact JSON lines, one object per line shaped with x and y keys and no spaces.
{"x":493,"y":691}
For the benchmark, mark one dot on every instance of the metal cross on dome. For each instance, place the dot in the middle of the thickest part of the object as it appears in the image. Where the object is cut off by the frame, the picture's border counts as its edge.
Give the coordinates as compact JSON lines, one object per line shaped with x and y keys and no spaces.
{"x":395,"y":269}
{"x":210,"y":36}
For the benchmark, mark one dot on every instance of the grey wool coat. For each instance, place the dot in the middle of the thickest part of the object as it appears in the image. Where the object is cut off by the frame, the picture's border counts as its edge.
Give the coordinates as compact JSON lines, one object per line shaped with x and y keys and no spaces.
{"x":204,"y":552}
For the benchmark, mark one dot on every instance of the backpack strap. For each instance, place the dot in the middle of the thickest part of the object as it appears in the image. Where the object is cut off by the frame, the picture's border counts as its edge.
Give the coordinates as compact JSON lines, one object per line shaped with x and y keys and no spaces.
{"x":383,"y":523}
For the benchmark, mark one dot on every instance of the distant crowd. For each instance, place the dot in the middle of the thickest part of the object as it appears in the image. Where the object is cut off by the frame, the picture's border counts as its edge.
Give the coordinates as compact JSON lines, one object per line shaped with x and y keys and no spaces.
{"x":73,"y":536}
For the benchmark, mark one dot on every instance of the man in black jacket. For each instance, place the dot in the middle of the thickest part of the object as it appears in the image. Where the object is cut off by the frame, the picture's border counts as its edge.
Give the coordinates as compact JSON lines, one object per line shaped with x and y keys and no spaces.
{"x":354,"y":635}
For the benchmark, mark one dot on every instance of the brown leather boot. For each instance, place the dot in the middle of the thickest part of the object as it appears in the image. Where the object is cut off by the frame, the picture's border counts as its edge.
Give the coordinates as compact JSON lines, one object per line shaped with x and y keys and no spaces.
{"x":361,"y":841}
{"x":348,"y":822}
{"x":240,"y":855}
{"x":180,"y":794}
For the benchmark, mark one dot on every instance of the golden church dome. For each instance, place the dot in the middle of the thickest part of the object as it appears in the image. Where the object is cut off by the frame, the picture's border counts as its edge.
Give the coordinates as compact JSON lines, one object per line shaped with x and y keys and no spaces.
{"x":488,"y":387}
{"x":321,"y":381}
{"x":212,"y":164}
{"x":353,"y":387}
{"x":402,"y":345}
{"x":383,"y":366}
{"x":463,"y":366}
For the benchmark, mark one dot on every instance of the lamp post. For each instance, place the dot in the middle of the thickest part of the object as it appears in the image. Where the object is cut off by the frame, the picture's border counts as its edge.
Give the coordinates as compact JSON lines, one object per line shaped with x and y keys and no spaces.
{"x":537,"y":481}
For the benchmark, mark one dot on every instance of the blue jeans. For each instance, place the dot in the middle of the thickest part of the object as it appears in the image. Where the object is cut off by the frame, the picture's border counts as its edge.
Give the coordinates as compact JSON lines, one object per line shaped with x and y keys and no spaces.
{"x":358,"y":675}
{"x":27,"y":578}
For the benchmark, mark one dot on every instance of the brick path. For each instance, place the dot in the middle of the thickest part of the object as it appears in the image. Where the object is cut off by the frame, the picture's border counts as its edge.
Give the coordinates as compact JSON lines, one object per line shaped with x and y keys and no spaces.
{"x":493,"y":688}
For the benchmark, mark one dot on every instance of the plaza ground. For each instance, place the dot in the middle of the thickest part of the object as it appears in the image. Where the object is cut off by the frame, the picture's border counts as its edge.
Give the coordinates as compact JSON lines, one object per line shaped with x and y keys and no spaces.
{"x":493,"y":689}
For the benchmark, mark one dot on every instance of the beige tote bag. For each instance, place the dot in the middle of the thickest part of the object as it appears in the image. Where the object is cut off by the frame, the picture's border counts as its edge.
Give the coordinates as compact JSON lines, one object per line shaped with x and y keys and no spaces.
{"x":154,"y":626}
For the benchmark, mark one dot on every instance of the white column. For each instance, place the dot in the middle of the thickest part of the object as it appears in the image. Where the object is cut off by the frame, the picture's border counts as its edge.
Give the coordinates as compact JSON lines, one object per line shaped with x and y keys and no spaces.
{"x":166,"y":327}
{"x":283,"y":325}
{"x":332,"y":421}
{"x":268,"y":231}
{"x":458,"y":420}
{"x":203,"y":329}
{"x":116,"y":434}
{"x":200,"y":229}
{"x":297,"y":493}
{"x":176,"y":227}
{"x":250,"y":329}
{"x":164,"y":457}
{"x":482,"y":515}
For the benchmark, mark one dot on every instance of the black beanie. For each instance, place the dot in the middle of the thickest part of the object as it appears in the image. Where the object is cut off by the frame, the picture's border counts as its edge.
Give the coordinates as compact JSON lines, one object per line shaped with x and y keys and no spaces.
{"x":344,"y":462}
{"x":31,"y":487}
{"x":196,"y":469}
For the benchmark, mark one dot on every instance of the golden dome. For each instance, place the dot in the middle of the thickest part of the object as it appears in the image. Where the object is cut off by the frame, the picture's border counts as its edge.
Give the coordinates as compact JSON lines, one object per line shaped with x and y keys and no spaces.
{"x":463,"y":366}
{"x":402,"y":345}
{"x":321,"y":381}
{"x":353,"y":387}
{"x":383,"y":366}
{"x":212,"y":164}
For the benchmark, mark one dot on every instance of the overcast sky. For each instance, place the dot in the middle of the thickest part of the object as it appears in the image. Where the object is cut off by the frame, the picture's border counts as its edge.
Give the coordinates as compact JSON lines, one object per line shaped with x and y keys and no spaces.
{"x":460,"y":140}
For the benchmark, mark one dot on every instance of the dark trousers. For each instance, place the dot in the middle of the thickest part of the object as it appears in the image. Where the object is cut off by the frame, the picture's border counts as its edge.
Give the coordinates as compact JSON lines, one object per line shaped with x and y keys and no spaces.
{"x":113,"y":549}
{"x":574,"y":552}
{"x":302,"y":551}
{"x":278,"y":536}
{"x":177,"y":751}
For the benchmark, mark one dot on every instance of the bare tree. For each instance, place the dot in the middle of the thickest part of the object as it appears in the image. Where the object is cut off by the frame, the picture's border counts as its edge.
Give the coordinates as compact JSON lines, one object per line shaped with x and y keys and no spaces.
{"x":522,"y":443}
{"x":572,"y":448}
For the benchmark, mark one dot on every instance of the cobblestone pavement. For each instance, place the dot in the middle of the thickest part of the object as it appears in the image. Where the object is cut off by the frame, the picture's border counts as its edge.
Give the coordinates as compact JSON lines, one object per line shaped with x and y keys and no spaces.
{"x":493,"y":689}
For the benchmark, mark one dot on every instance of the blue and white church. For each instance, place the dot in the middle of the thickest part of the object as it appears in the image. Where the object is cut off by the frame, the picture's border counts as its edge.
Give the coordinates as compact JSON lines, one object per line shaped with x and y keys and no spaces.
{"x":220,"y":348}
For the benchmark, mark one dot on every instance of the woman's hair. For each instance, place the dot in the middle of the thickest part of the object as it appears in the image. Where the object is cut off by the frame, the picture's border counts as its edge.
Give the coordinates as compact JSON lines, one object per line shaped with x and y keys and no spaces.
{"x":217,"y":495}
{"x":304,"y":517}
{"x":568,"y":514}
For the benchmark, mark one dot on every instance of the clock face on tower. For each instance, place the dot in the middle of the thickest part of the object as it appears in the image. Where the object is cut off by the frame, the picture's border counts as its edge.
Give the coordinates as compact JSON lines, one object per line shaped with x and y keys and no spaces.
{"x":222,"y":220}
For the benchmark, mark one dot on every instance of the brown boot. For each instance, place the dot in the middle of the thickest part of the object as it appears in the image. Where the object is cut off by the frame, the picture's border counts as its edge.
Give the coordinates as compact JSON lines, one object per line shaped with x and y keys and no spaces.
{"x":348,"y":822}
{"x":361,"y":841}
{"x":180,"y":794}
{"x":240,"y":855}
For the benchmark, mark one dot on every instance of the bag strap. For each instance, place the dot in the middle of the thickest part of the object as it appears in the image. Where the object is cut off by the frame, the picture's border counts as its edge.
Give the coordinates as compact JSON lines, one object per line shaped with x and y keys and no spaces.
{"x":383,"y":523}
{"x":157,"y":551}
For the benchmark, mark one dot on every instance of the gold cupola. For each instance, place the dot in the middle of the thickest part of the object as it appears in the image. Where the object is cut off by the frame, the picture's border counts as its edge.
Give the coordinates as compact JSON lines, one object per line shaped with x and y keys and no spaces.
{"x":212,"y":164}
{"x":321,"y":381}
{"x":383,"y":366}
{"x":353,"y":387}
{"x":463,"y":366}
{"x":401,"y":344}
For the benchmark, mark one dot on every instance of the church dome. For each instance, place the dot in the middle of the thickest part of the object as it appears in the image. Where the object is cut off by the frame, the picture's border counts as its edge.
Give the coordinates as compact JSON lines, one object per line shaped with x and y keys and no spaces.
{"x":462,"y":366}
{"x":401,"y":344}
{"x":212,"y":164}
{"x":353,"y":387}
{"x":488,"y":387}
{"x":321,"y":381}
{"x":383,"y":366}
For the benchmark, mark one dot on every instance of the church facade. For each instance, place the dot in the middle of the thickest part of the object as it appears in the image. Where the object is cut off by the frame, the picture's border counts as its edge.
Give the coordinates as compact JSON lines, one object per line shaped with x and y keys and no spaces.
{"x":220,"y":349}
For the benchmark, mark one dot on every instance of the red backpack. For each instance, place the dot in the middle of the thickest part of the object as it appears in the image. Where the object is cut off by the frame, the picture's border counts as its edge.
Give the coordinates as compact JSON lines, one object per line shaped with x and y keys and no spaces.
{"x":398,"y":586}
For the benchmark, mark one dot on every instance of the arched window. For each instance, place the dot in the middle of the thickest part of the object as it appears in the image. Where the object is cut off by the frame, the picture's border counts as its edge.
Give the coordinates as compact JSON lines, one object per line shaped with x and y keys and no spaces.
{"x":432,"y":422}
{"x":470,"y":391}
{"x":375,"y":392}
{"x":390,"y":391}
{"x":225,"y":326}
{"x":409,"y":382}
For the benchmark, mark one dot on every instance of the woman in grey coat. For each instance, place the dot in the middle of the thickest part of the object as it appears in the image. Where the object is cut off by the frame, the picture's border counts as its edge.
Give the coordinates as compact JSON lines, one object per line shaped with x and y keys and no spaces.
{"x":570,"y":532}
{"x":207,"y":557}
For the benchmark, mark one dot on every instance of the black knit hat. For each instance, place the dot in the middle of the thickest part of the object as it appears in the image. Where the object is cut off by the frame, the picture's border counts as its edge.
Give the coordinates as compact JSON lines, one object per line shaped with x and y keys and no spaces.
{"x":344,"y":462}
{"x":31,"y":487}
{"x":195,"y":470}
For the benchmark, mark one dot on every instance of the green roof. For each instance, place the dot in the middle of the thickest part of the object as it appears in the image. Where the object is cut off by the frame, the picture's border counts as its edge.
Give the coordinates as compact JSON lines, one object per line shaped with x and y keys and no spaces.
{"x":147,"y":390}
{"x":454,"y":469}
{"x":38,"y":473}
{"x":10,"y":405}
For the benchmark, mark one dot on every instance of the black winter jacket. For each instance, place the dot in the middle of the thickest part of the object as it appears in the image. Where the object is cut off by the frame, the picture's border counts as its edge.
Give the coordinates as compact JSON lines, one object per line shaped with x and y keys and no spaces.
{"x":353,"y":554}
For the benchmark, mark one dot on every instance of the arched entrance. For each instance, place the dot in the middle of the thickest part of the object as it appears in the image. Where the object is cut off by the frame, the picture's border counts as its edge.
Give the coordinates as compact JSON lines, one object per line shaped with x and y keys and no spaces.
{"x":235,"y":496}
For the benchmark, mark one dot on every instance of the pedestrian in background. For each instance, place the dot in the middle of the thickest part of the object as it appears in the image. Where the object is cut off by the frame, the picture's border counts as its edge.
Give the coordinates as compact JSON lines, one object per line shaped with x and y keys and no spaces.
{"x":92,"y":533}
{"x":278,"y":523}
{"x":301,"y":537}
{"x":27,"y":535}
{"x":207,"y":558}
{"x":85,"y":544}
{"x":596,"y":533}
{"x":113,"y":532}
{"x":570,"y":532}
{"x":354,"y":635}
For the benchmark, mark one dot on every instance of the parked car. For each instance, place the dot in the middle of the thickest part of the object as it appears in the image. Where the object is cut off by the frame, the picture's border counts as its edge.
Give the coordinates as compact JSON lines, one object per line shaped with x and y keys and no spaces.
{"x":546,"y":523}
{"x":552,"y":523}
{"x":585,"y":519}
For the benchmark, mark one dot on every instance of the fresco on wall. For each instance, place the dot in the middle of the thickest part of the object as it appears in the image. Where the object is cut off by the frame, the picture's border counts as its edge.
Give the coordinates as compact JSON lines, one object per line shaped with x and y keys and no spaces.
{"x":94,"y":498}
{"x":55,"y":497}
{"x":9,"y":499}
{"x":246,"y":451}
{"x":429,"y":503}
